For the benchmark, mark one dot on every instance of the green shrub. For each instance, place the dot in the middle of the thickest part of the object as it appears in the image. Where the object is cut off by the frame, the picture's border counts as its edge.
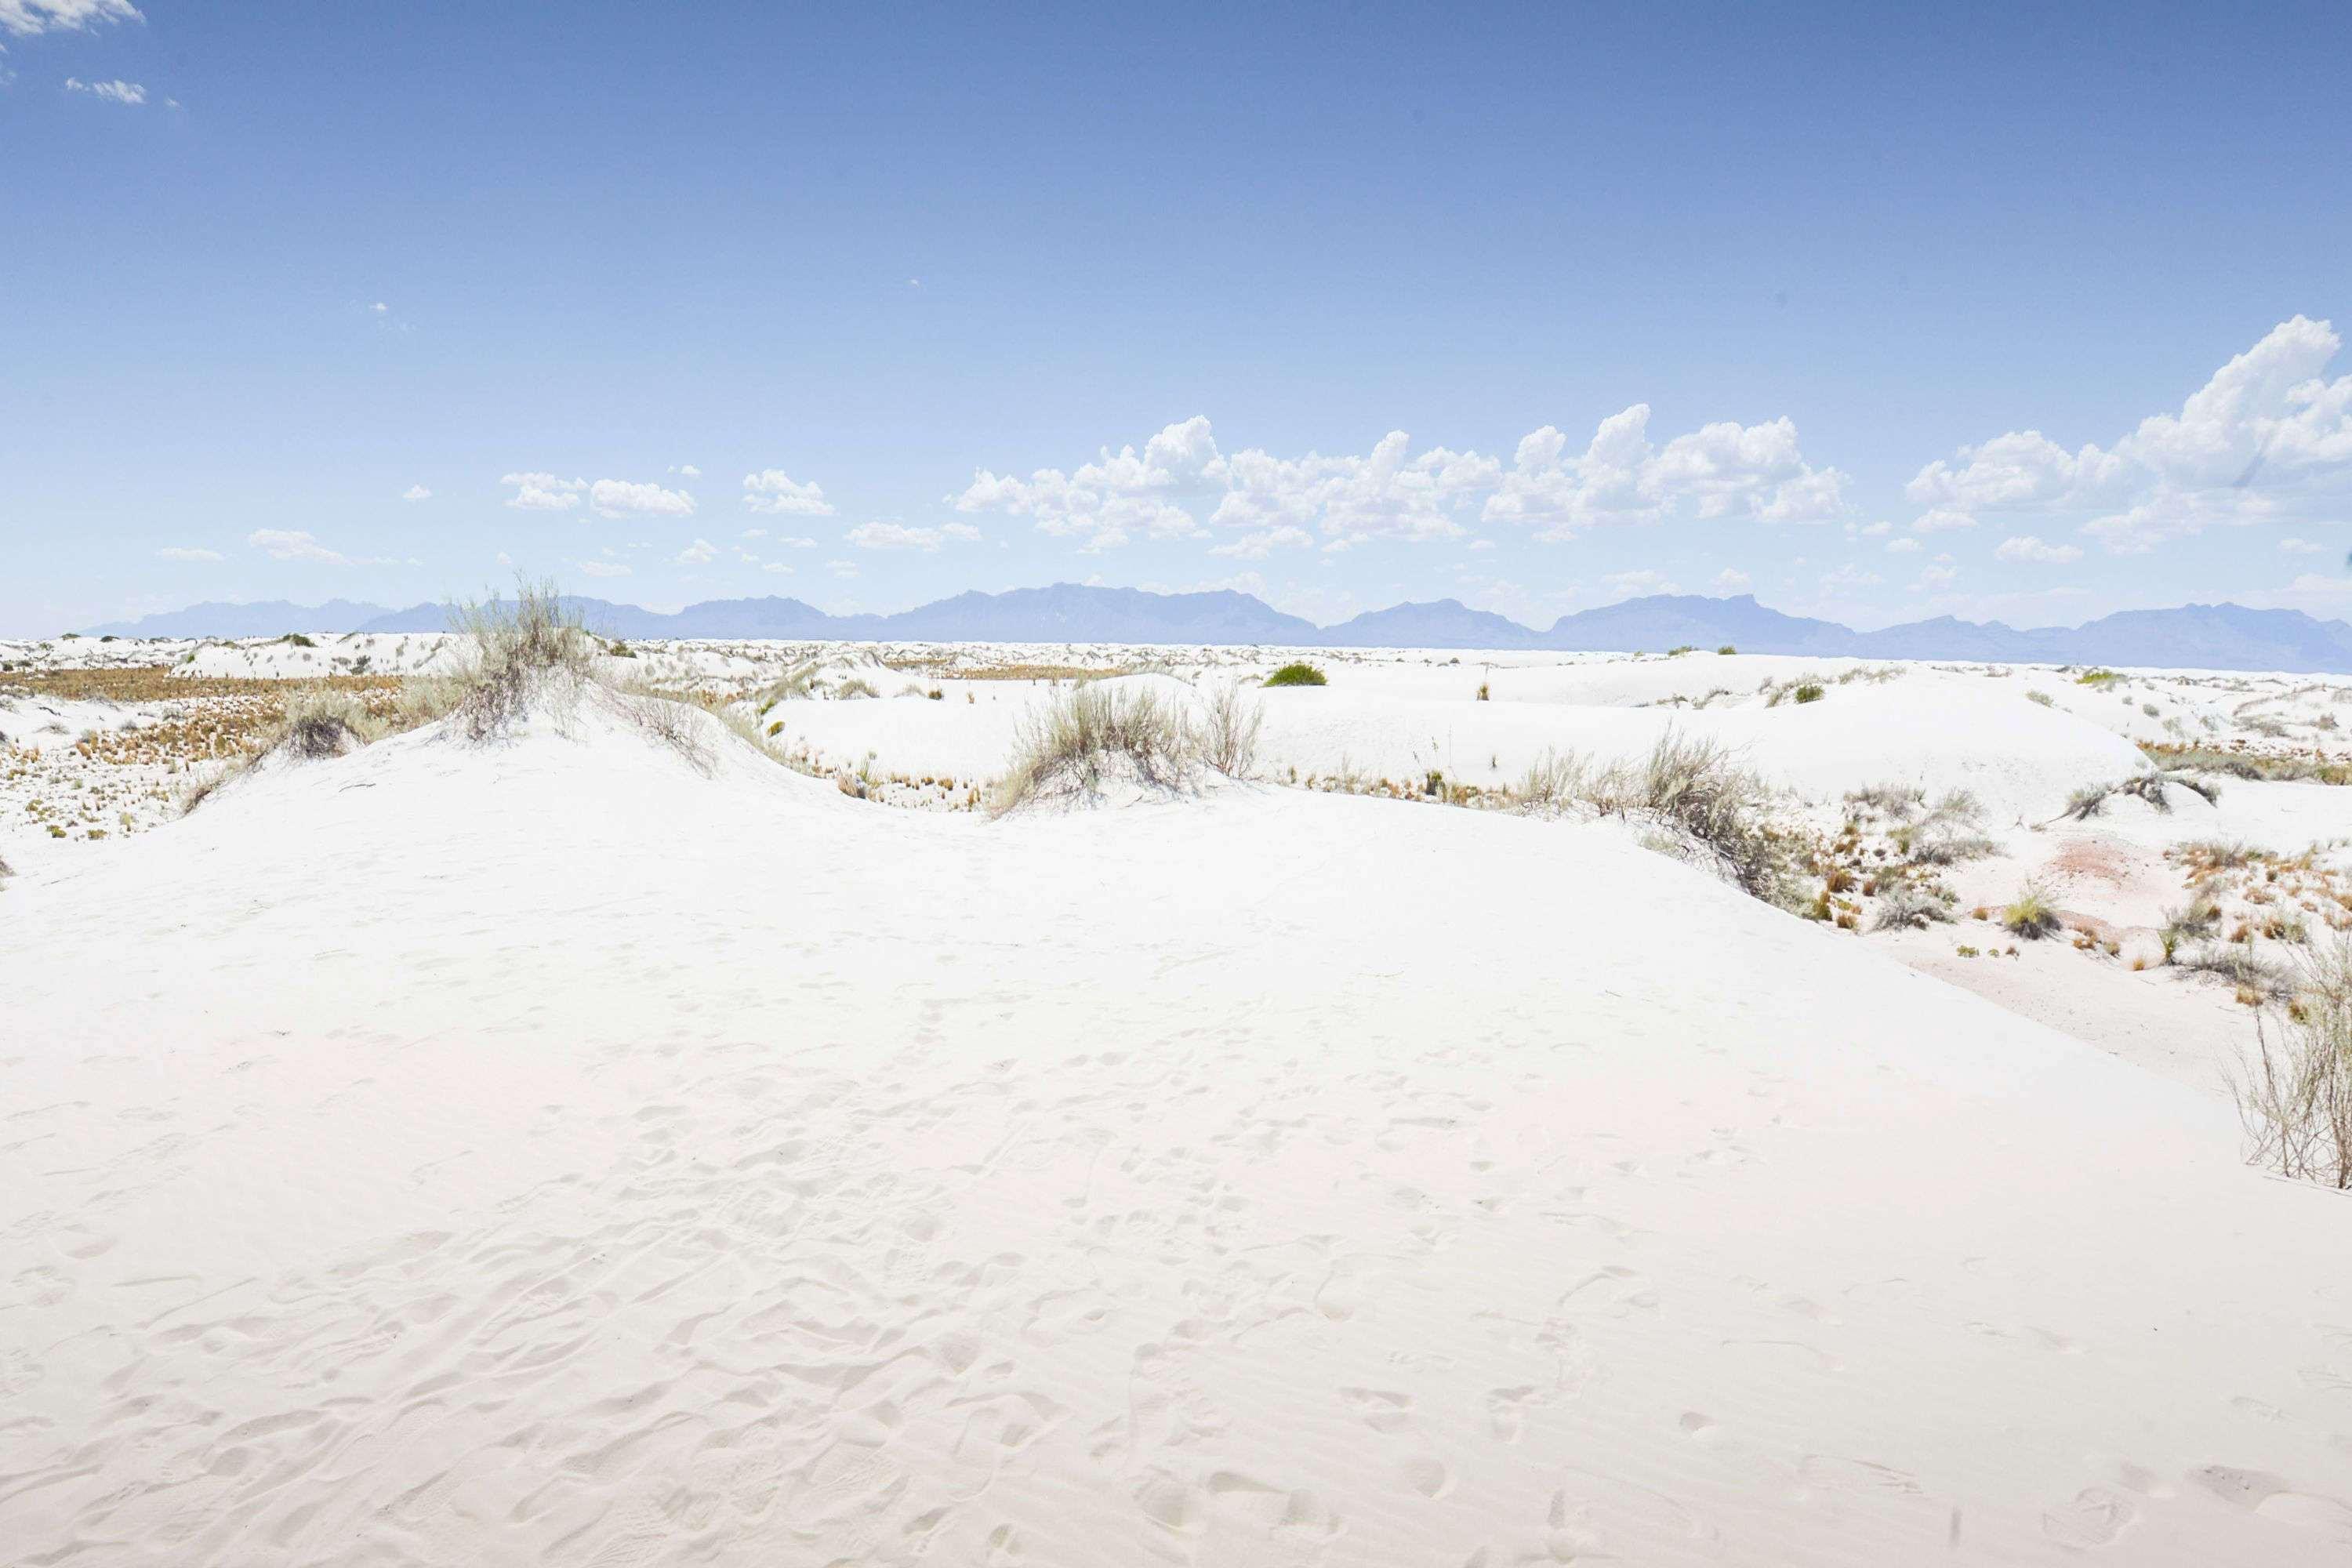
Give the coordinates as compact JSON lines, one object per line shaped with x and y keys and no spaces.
{"x":1727,"y":647}
{"x":2029,"y":915}
{"x":1297,"y":675}
{"x":1809,"y":691}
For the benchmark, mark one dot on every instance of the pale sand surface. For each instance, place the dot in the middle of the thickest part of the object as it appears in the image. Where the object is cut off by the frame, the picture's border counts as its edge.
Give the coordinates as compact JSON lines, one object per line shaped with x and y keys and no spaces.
{"x":550,"y":1154}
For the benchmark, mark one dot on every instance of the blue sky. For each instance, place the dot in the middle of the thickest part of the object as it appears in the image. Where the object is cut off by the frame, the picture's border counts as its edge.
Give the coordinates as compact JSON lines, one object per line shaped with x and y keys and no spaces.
{"x":896,"y":285}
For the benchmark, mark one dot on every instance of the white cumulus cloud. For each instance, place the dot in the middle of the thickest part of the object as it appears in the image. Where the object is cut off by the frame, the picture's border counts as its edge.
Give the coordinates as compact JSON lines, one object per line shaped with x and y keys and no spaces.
{"x":895,"y":536}
{"x":543,"y":492}
{"x":416,"y":492}
{"x":2267,"y":436}
{"x":701,"y":552}
{"x":1163,"y":490}
{"x":1725,"y":470}
{"x":773,"y":491}
{"x":2026,"y":547}
{"x":603,"y":568}
{"x":625,"y":498}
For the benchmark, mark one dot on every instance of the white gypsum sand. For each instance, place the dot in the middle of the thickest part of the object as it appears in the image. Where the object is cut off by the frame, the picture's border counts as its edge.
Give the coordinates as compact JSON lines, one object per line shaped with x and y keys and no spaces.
{"x":556,"y":1151}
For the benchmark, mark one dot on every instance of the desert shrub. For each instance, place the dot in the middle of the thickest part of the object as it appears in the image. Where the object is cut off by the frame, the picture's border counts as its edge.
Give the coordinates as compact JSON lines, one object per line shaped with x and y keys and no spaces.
{"x":524,"y":647}
{"x":1679,"y":649}
{"x":2294,"y":1091}
{"x":1809,"y":691}
{"x":1555,"y":780}
{"x":297,"y":639}
{"x":1907,"y":908}
{"x":2149,"y":787}
{"x":856,"y":687}
{"x":2029,"y":915}
{"x":2040,"y":697}
{"x":2097,"y":678}
{"x":2246,"y":766}
{"x":2236,"y":963}
{"x":2187,"y":924}
{"x":1894,"y":802}
{"x":1727,"y":647}
{"x":1483,"y":693}
{"x":1229,"y":731}
{"x":1694,"y":785}
{"x":1297,"y":675}
{"x":2088,"y":802}
{"x":325,"y":724}
{"x":2208,"y":856}
{"x":1072,"y":739}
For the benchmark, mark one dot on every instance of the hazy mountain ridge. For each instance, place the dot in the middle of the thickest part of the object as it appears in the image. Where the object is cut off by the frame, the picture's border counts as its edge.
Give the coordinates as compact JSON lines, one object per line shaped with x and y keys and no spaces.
{"x":2204,"y":636}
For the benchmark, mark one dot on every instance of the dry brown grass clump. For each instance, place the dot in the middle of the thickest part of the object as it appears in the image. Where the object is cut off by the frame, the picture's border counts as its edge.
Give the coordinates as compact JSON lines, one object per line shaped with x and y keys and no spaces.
{"x":1691,"y":787}
{"x":1073,"y":742}
{"x":531,"y":646}
{"x":2294,"y":1090}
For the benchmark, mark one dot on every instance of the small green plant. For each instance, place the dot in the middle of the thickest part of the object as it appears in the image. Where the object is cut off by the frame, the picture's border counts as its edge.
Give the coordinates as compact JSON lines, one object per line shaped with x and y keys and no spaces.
{"x":1810,"y":691}
{"x":298,"y":640}
{"x":1482,"y":695}
{"x":2040,"y":697}
{"x":1679,"y":649}
{"x":1965,"y":950}
{"x":2029,"y":915}
{"x":1727,"y":647}
{"x":2101,"y":679}
{"x":1297,"y":675}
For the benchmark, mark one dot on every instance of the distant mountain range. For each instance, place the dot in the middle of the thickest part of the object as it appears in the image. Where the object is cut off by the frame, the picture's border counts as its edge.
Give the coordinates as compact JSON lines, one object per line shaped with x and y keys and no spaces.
{"x":2201,"y":637}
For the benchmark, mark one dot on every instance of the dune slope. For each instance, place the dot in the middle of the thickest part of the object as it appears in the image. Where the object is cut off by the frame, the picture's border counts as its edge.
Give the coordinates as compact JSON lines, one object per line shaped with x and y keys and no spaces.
{"x":550,"y":1152}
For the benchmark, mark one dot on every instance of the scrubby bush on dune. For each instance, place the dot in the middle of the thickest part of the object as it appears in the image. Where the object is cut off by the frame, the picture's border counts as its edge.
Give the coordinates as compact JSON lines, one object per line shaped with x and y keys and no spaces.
{"x":1909,"y":907}
{"x":2236,"y":962}
{"x":2246,"y":766}
{"x":2029,"y":915}
{"x":2188,"y":924}
{"x":1894,"y":802}
{"x":325,"y":722}
{"x":2088,"y":802}
{"x":1809,"y":691}
{"x":1076,"y":738}
{"x":2294,"y":1091}
{"x":531,"y":646}
{"x":1297,"y":675}
{"x":1229,"y":731}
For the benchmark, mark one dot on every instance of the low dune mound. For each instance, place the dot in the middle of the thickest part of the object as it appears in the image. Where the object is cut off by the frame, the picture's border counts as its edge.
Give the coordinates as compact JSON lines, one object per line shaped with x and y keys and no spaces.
{"x":560,"y":1149}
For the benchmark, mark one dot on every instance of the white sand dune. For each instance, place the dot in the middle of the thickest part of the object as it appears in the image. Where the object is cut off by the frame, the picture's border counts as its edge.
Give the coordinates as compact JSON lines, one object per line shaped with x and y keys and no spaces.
{"x":548,"y":1153}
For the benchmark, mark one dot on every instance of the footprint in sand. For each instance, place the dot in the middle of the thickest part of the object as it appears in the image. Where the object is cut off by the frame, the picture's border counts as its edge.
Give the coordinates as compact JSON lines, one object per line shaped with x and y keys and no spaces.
{"x":2097,"y":1517}
{"x":1382,"y":1409}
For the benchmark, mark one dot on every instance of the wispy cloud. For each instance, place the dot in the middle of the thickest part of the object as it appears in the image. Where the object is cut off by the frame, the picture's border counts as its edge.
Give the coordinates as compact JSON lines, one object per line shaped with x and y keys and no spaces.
{"x":285,"y":544}
{"x":184,"y":553}
{"x":894,"y":536}
{"x":26,"y":17}
{"x":117,"y":91}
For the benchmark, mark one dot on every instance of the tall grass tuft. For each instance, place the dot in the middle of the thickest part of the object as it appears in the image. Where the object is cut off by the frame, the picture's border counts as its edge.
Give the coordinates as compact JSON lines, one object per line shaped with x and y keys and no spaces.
{"x":2294,"y":1091}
